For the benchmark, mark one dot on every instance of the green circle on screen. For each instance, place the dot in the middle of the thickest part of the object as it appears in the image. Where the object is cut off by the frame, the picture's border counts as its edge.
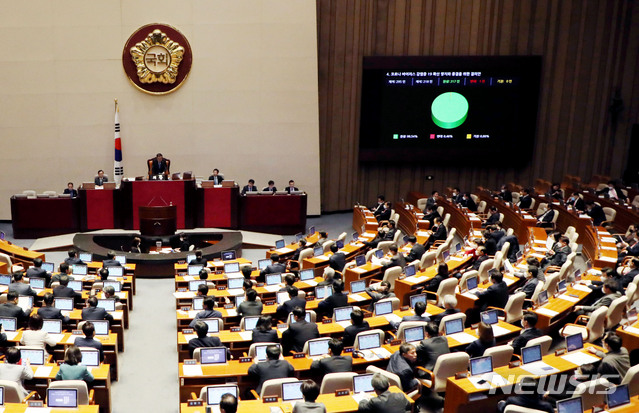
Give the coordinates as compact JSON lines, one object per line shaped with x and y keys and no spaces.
{"x":449,"y":110}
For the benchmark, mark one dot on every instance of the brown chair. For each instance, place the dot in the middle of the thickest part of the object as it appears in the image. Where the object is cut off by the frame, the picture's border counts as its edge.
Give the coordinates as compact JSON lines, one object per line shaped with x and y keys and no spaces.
{"x":149,"y":164}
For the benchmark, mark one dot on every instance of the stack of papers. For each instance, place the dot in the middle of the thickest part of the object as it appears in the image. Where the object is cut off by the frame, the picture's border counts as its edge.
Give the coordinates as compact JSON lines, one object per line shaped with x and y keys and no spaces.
{"x":344,"y":323}
{"x":272,"y":288}
{"x":43,"y":371}
{"x":632,"y":330}
{"x":416,"y":279}
{"x":392,"y":317}
{"x":580,"y":358}
{"x":545,"y":311}
{"x":189,"y":278}
{"x":423,"y":233}
{"x":539,"y":368}
{"x":11,"y":335}
{"x":57,"y":337}
{"x":283,"y":250}
{"x":500,"y":331}
{"x":359,"y":270}
{"x":580,"y":287}
{"x":184,"y":294}
{"x":356,"y":297}
{"x":246,"y":335}
{"x":312,"y":283}
{"x":192,"y":370}
{"x":463,"y":338}
{"x":231,"y":312}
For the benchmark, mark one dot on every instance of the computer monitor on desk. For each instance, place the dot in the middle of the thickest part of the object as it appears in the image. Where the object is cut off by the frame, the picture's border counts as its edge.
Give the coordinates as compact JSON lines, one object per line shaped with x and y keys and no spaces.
{"x":9,"y":323}
{"x":383,"y":307}
{"x":318,"y":347}
{"x":101,"y":327}
{"x":85,"y":256}
{"x":63,"y":303}
{"x":262,"y":264}
{"x":490,"y":317}
{"x":79,"y":269}
{"x":121,"y":259}
{"x":35,"y":356}
{"x":273,"y":279}
{"x":617,"y":396}
{"x":481,"y":365}
{"x":410,"y":270}
{"x":214,"y":393}
{"x":307,"y":274}
{"x":76,"y":285}
{"x":213,"y":355}
{"x":360,"y":260}
{"x":194,"y":270}
{"x":107,"y":303}
{"x":117,"y":285}
{"x":414,"y":334}
{"x":235,"y":282}
{"x":260,"y":351}
{"x":64,"y":398}
{"x":292,"y":391}
{"x":343,"y":313}
{"x":250,"y":322}
{"x":48,"y":266}
{"x":362,"y":383}
{"x":574,"y":342}
{"x":358,"y":286}
{"x":369,"y":341}
{"x":279,"y":244}
{"x":531,"y":354}
{"x":323,"y":291}
{"x":417,"y":298}
{"x":229,"y":255}
{"x":37,"y":283}
{"x":573,"y":405}
{"x":52,"y":326}
{"x":90,"y":358}
{"x":454,"y":326}
{"x":231,"y":267}
{"x":115,"y":271}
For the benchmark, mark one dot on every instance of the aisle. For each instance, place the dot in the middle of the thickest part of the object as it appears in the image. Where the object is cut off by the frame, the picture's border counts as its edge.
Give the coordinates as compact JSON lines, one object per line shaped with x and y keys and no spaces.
{"x":148,"y":366}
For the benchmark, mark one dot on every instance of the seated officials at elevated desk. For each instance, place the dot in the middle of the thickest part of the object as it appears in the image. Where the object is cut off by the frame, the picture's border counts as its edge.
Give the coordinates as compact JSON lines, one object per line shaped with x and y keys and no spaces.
{"x":159,"y":167}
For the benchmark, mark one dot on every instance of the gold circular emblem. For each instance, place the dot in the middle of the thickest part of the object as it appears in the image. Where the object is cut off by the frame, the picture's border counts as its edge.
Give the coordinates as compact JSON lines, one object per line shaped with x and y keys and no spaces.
{"x":157,"y":59}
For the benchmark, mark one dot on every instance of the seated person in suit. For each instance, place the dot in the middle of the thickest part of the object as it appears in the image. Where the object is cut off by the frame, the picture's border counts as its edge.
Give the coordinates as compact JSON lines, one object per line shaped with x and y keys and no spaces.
{"x":385,"y":213}
{"x":71,"y":369}
{"x":289,"y":281}
{"x":496,"y":295}
{"x":334,"y":362}
{"x":430,"y":214}
{"x":417,"y":250}
{"x":545,"y":220}
{"x":385,"y":401}
{"x":513,"y":248}
{"x":12,"y":309}
{"x":456,"y":196}
{"x":136,"y":245}
{"x":275,"y":268}
{"x":403,"y":363}
{"x":72,"y":258}
{"x":337,"y":299}
{"x":493,"y":217}
{"x":379,"y":207}
{"x":505,"y":194}
{"x":100,"y":179}
{"x":611,"y":292}
{"x":263,"y":332}
{"x":378,"y":238}
{"x":527,"y":395}
{"x":270,"y":188}
{"x":228,"y":403}
{"x":556,"y":257}
{"x":49,"y":312}
{"x":199,"y":259}
{"x":555,"y":193}
{"x":468,"y":202}
{"x":291,"y":187}
{"x":486,"y":340}
{"x":250,"y":306}
{"x":216,"y":177}
{"x":525,"y":200}
{"x":396,"y":260}
{"x":380,"y":292}
{"x":35,"y":336}
{"x":300,"y":246}
{"x":159,"y":167}
{"x":272,"y":368}
{"x":19,"y":286}
{"x":442,"y":274}
{"x":577,"y":202}
{"x":209,"y":311}
{"x":531,"y":282}
{"x":36,"y":271}
{"x":528,"y":333}
{"x":612,"y":191}
{"x":93,"y":312}
{"x":358,"y":324}
{"x":432,"y":201}
{"x":450,"y":302}
{"x":17,"y":373}
{"x":337,"y":261}
{"x":439,"y":233}
{"x":250,"y":187}
{"x":284,"y":309}
{"x":111,"y":261}
{"x":310,"y":390}
{"x":63,"y":290}
{"x":595,"y":212}
{"x":64,"y":269}
{"x":69,"y":190}
{"x":431,"y":347}
{"x":203,"y":339}
{"x":88,"y":341}
{"x":298,"y":332}
{"x":420,"y":309}
{"x":629,"y":272}
{"x":615,"y":361}
{"x":329,"y":277}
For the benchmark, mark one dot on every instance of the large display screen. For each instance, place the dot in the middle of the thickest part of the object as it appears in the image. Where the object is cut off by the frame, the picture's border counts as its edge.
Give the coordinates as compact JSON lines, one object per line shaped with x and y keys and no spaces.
{"x":449,"y":110}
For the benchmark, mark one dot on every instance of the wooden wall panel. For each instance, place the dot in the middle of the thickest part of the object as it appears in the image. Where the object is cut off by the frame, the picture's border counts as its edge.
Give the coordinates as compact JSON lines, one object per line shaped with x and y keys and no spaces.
{"x":589,"y":49}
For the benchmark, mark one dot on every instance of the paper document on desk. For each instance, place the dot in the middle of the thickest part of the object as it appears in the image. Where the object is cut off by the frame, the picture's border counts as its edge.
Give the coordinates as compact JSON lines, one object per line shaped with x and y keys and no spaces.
{"x":57,"y":337}
{"x":189,"y":278}
{"x":580,"y":358}
{"x":71,"y":339}
{"x":272,"y":288}
{"x":191,"y":313}
{"x":246,"y":335}
{"x":608,"y":239}
{"x":392,"y":317}
{"x":43,"y":371}
{"x":608,"y":259}
{"x":344,"y":323}
{"x":321,"y":257}
{"x":189,"y":337}
{"x":359,"y":270}
{"x":37,"y":409}
{"x":356,"y":297}
{"x":500,"y":331}
{"x":184,"y":294}
{"x":236,"y":291}
{"x":536,"y":255}
{"x":528,"y":216}
{"x":633,"y":330}
{"x":469,"y":294}
{"x":416,"y":279}
{"x":358,"y":397}
{"x":231,"y":312}
{"x":545,"y":311}
{"x":569,"y":298}
{"x":539,"y":368}
{"x":382,"y":353}
{"x":192,"y":370}
{"x":283,"y":250}
{"x":11,"y":335}
{"x":463,"y":338}
{"x":456,"y":258}
{"x":580,"y":287}
{"x":608,"y":248}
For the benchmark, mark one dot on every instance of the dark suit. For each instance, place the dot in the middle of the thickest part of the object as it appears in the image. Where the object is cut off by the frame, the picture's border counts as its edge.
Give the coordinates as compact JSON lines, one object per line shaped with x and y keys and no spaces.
{"x":276,"y":268}
{"x":416,"y":252}
{"x":250,"y":308}
{"x":493,"y":219}
{"x":270,"y":369}
{"x":525,"y":202}
{"x":337,"y":261}
{"x":205,"y":314}
{"x":100,"y":181}
{"x":559,"y":257}
{"x":433,"y":284}
{"x":208,"y":341}
{"x":400,"y":366}
{"x":470,"y":204}
{"x":334,"y":364}
{"x":431,"y":217}
{"x":52,"y":313}
{"x":90,"y":342}
{"x":531,"y":401}
{"x":288,"y":189}
{"x":217,"y":180}
{"x":22,"y":289}
{"x":491,"y":246}
{"x":384,"y":215}
{"x":159,"y":168}
{"x":274,"y":189}
{"x":71,"y":192}
{"x":62,"y":291}
{"x":269,"y":336}
{"x":336,"y":300}
{"x":431,"y":348}
{"x":395,"y":261}
{"x":438,"y":318}
{"x":386,"y":402}
{"x":439,"y":234}
{"x":506,"y":195}
{"x":297,"y":334}
{"x":525,"y":337}
{"x":249,"y":189}
{"x":284,"y":309}
{"x":628,"y":277}
{"x":96,"y":313}
{"x":196,"y":261}
{"x":513,"y":249}
{"x":529,"y":287}
{"x":478,"y":261}
{"x":38,"y":272}
{"x":352,"y":331}
{"x":496,"y":296}
{"x":604,"y":301}
{"x":72,"y":261}
{"x":111,"y":263}
{"x":13,"y":310}
{"x":477,"y":348}
{"x":597,"y":214}
{"x":377,"y":209}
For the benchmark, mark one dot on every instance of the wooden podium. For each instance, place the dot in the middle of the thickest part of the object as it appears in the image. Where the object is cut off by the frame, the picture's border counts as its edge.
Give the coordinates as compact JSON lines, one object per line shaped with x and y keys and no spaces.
{"x":158,"y":220}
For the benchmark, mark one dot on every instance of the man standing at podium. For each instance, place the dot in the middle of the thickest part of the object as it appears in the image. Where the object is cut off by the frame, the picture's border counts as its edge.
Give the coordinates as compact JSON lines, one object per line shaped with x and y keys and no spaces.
{"x":160,"y":166}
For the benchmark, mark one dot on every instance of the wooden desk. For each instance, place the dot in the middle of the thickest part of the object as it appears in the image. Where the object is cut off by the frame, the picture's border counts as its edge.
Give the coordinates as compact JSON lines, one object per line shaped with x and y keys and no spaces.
{"x":630,"y":336}
{"x":287,"y":252}
{"x":19,"y":255}
{"x":519,"y":222}
{"x":98,"y":209}
{"x":626,"y":215}
{"x":364,"y":220}
{"x":44,"y":217}
{"x":116,"y":326}
{"x":365,"y":272}
{"x":22,"y":408}
{"x":333,"y":404}
{"x":274,"y":214}
{"x":219,"y":207}
{"x":463,"y":397}
{"x":4,"y":268}
{"x":321,"y":261}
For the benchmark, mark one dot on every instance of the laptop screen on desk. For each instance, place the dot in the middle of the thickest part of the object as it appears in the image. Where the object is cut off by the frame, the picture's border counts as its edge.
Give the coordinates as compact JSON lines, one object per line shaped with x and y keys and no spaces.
{"x":454,"y":326}
{"x":542,"y":298}
{"x":214,"y":393}
{"x":573,"y":405}
{"x":5,"y":279}
{"x":574,"y":342}
{"x":273,"y":279}
{"x":197,"y":303}
{"x":358,"y":286}
{"x":25,"y":302}
{"x":282,"y":297}
{"x":383,"y":307}
{"x":76,"y":285}
{"x":115,"y":271}
{"x":79,"y":269}
{"x":446,"y":255}
{"x":107,"y":303}
{"x":239,"y":299}
{"x":343,"y":313}
{"x":85,"y":256}
{"x":417,"y":298}
{"x":531,"y":354}
{"x":90,"y":358}
{"x":193,"y":285}
{"x":317,"y":251}
{"x":117,"y":285}
{"x":307,"y":274}
{"x":471,"y":283}
{"x":250,"y":322}
{"x":561,"y":287}
{"x":292,"y":391}
{"x":340,"y":244}
{"x":368,"y":341}
{"x":260,"y":351}
{"x":318,"y":348}
{"x":311,"y":230}
{"x":307,"y":318}
{"x":262,"y":264}
{"x":235,"y":282}
{"x":190,"y":257}
{"x":48,"y":266}
{"x":101,"y":327}
{"x":489,"y":317}
{"x":360,"y":260}
{"x":228,"y":255}
{"x":213,"y":323}
{"x":355,"y":236}
{"x":121,"y":259}
{"x":279,"y":244}
{"x":481,"y":365}
{"x":410,"y":270}
{"x":63,"y":303}
{"x":9,"y":323}
{"x":298,"y":236}
{"x":213,"y":355}
{"x":362,"y":383}
{"x":35,"y":356}
{"x":37,"y":283}
{"x":62,"y":398}
{"x":458,"y":247}
{"x":231,"y":267}
{"x":379,"y":253}
{"x":53,"y":326}
{"x":412,"y":334}
{"x":194,"y":269}
{"x":617,"y":396}
{"x":323,"y":291}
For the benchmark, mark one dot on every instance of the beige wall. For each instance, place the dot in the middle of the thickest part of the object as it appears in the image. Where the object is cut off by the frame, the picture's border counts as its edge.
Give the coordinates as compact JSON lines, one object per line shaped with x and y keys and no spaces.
{"x":249,"y":106}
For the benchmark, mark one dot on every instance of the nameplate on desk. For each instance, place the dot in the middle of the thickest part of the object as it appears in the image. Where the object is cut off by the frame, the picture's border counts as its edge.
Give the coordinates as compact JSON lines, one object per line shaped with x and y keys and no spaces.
{"x":404,"y":308}
{"x":514,"y":364}
{"x":560,"y":352}
{"x":461,"y":375}
{"x":182,"y":290}
{"x":187,"y":331}
{"x":395,"y":342}
{"x":368,"y":315}
{"x":401,"y":277}
{"x":219,"y":272}
{"x":235,"y":329}
{"x":342,"y":392}
{"x":269,"y":302}
{"x":190,"y":362}
{"x":124,"y":278}
{"x":36,"y":403}
{"x":299,"y":355}
{"x":246,"y":360}
{"x":195,"y":403}
{"x":185,"y":308}
{"x":599,"y":408}
{"x":282,"y":325}
{"x":309,"y":298}
{"x":327,"y":321}
{"x":348,"y":349}
{"x":77,"y":332}
{"x":221,"y":288}
{"x":181,"y":262}
{"x":228,"y":306}
{"x":269,"y":399}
